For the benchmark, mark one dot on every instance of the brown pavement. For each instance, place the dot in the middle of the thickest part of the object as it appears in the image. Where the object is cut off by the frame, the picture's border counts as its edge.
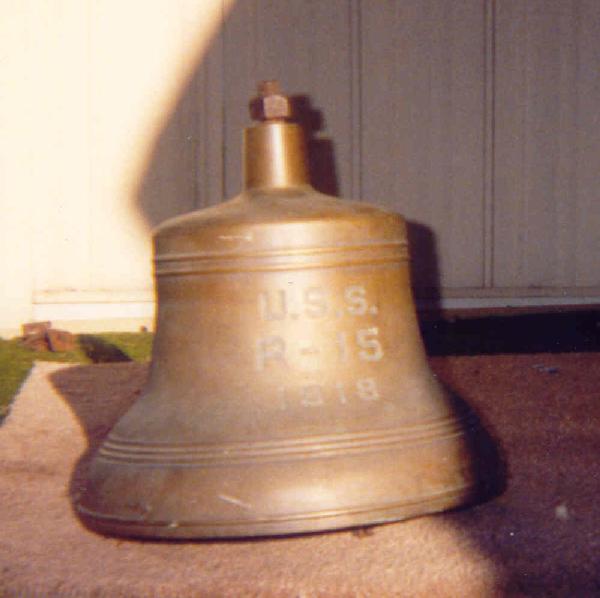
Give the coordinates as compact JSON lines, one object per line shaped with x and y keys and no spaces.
{"x":541,"y":537}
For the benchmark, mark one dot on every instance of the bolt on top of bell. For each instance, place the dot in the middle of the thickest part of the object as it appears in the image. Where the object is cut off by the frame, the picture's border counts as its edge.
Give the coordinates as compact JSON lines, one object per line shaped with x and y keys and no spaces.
{"x":271,"y":103}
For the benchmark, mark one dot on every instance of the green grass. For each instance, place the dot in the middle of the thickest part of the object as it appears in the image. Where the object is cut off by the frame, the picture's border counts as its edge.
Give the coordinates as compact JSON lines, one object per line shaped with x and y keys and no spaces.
{"x":16,"y":360}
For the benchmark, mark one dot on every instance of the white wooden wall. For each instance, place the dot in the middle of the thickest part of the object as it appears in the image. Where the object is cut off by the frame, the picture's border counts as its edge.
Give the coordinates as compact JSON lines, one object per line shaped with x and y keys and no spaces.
{"x":478,"y":120}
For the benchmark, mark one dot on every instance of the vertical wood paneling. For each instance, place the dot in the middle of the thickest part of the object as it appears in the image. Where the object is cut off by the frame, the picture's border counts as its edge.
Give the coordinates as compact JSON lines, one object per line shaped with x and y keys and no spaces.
{"x":547,"y":171}
{"x":306,"y":45}
{"x":60,"y":146}
{"x":489,"y":78}
{"x":208,"y":127}
{"x":121,"y":135}
{"x":125,"y":103}
{"x":587,"y":168}
{"x":423,"y":128}
{"x":185,"y":169}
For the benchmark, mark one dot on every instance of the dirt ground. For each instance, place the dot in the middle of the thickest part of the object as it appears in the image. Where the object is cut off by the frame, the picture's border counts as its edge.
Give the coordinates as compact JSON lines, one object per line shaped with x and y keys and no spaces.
{"x":540,"y":537}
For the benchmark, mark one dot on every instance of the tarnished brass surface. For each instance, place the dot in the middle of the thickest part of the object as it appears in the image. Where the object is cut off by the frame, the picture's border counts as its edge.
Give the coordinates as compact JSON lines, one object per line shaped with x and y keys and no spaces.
{"x":289,"y":390}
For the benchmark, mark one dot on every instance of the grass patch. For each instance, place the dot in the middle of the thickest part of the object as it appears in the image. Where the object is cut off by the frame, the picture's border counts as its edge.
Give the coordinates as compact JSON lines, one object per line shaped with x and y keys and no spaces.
{"x":16,"y":360}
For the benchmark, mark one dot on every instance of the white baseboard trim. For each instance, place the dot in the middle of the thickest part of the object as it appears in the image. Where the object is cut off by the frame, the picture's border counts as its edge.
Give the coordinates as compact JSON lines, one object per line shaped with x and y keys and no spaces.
{"x":449,"y":303}
{"x":125,"y":316}
{"x":93,"y":311}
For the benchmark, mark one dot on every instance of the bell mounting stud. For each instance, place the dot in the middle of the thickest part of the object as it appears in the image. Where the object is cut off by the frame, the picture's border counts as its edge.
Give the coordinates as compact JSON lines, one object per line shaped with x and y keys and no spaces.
{"x":271,"y":104}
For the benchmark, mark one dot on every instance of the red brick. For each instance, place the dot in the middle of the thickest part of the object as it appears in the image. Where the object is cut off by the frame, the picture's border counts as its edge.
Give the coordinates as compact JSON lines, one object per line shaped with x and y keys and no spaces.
{"x":60,"y":340}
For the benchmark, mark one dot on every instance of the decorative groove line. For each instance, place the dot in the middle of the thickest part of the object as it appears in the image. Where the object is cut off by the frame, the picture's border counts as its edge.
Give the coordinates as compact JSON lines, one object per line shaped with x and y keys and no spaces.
{"x":292,"y":259}
{"x":204,"y":455}
{"x":431,"y":499}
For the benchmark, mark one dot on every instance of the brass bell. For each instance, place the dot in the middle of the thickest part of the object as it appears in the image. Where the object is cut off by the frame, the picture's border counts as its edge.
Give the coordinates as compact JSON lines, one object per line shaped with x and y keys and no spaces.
{"x":289,"y":389}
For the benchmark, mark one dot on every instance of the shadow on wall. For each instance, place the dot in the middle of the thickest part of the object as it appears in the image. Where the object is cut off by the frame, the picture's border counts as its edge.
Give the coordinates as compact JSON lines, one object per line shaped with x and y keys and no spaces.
{"x":187,"y":168}
{"x":160,"y":195}
{"x":191,"y":164}
{"x":424,"y":267}
{"x":321,"y":158}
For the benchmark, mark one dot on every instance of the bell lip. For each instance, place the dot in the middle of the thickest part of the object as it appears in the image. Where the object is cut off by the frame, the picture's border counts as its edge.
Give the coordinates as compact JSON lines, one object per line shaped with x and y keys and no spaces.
{"x":454,"y":498}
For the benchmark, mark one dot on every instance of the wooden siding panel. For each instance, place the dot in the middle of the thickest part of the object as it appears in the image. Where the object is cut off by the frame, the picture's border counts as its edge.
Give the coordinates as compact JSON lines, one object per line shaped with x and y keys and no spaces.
{"x":547,"y":156}
{"x":423,"y":130}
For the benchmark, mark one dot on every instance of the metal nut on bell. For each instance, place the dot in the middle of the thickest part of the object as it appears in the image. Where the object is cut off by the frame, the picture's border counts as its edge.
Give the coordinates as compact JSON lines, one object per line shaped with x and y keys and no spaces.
{"x":271,"y":104}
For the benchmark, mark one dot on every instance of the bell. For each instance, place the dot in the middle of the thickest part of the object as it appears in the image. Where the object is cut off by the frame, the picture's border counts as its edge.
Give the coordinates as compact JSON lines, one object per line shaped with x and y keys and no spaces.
{"x":289,"y":389}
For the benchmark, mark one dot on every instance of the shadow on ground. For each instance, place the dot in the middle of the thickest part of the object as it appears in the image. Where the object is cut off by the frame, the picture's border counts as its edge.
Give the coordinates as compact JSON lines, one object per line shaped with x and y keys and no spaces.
{"x":571,"y":331}
{"x":98,"y":350}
